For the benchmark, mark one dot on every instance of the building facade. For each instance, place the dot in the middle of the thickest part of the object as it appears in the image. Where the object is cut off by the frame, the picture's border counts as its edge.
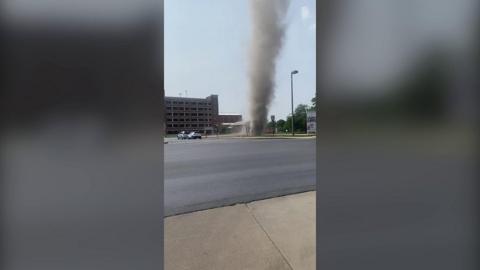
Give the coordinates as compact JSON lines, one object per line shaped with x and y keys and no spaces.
{"x":229,"y":118}
{"x":191,"y":114}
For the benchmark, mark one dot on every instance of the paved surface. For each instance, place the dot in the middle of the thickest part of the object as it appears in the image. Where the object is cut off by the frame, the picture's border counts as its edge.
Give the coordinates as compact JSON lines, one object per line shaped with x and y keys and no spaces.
{"x":207,"y":173}
{"x":274,"y":234}
{"x":289,"y":221}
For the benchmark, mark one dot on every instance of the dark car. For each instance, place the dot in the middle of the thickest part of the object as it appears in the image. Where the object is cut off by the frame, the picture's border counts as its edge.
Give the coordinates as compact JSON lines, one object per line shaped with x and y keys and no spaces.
{"x":194,"y":135}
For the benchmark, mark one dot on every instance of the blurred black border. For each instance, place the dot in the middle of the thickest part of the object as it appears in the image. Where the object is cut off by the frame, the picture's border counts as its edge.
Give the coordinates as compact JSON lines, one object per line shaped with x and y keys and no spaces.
{"x":326,"y":10}
{"x":141,"y":110}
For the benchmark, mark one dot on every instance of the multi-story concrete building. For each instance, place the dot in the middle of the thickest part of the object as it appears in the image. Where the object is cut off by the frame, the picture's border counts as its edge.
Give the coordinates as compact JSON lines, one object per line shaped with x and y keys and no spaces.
{"x":195,"y":114}
{"x":191,"y":114}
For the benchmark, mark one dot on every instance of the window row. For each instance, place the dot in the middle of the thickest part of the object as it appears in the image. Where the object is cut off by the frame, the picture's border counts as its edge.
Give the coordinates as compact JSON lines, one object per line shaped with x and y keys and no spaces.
{"x":189,"y":103}
{"x":187,"y":120}
{"x":189,"y":125}
{"x":190,"y":114}
{"x":189,"y":109}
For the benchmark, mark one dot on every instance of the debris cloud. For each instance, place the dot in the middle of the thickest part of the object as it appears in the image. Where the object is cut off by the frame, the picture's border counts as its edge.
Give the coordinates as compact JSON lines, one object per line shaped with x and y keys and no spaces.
{"x":268,"y":31}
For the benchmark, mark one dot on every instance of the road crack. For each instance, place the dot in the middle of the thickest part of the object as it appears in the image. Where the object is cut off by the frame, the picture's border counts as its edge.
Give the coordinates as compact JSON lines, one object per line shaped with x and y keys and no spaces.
{"x":268,"y":236}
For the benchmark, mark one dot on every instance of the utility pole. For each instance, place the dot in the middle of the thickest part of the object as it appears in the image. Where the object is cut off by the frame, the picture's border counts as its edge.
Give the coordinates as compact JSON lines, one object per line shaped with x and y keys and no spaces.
{"x":306,"y":120}
{"x":272,"y":117}
{"x":291,"y":88}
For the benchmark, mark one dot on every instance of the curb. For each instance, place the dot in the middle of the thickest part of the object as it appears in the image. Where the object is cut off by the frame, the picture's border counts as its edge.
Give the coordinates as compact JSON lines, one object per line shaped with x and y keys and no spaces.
{"x":279,"y":137}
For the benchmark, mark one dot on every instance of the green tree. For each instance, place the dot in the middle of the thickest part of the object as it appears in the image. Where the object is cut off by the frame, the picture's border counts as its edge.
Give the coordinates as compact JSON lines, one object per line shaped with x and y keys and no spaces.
{"x":281,"y":125}
{"x":288,"y":124}
{"x":300,"y":124}
{"x":301,"y":118}
{"x":271,"y":125}
{"x":314,"y":103}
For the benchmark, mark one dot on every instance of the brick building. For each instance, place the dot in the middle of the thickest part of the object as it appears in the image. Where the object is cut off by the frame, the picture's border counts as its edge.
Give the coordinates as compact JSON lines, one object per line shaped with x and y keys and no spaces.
{"x":194,"y":114}
{"x":229,"y":118}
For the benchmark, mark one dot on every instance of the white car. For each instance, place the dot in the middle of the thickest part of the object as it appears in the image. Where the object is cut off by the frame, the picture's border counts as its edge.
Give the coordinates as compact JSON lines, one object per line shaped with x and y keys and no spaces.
{"x":194,"y":135}
{"x":182,"y":135}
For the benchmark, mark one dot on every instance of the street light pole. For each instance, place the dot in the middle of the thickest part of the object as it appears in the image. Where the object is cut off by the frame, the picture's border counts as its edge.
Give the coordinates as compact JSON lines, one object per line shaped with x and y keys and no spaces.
{"x":306,"y":120}
{"x":291,"y":88}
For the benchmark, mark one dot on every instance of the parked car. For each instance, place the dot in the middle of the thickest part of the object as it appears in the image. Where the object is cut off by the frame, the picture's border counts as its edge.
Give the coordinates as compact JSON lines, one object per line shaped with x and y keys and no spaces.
{"x":182,"y":135}
{"x":194,"y":135}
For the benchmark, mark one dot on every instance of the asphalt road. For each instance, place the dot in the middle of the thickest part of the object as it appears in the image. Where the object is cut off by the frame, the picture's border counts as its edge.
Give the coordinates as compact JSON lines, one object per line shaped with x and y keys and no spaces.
{"x":207,"y":173}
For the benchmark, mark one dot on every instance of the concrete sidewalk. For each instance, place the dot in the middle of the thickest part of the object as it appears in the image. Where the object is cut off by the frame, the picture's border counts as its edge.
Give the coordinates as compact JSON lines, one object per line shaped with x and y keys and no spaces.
{"x":277,"y":233}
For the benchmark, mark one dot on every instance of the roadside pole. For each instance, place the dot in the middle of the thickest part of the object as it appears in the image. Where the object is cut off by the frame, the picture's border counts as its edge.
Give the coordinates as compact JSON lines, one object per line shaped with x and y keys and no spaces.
{"x":272,"y":117}
{"x":291,"y":89}
{"x":306,"y":120}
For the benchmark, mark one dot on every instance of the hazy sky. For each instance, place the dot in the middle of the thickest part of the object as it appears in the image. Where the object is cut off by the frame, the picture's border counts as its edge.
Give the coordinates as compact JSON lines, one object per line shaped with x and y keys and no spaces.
{"x":206,"y":47}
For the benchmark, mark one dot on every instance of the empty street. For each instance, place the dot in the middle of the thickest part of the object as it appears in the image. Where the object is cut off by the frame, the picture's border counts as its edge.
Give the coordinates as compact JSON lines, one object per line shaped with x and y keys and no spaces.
{"x":201,"y":174}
